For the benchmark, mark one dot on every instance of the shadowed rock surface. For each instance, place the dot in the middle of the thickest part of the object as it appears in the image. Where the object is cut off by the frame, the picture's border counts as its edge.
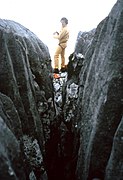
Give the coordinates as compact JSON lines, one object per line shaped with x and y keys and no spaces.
{"x":11,"y":164}
{"x":25,"y":79}
{"x":83,"y":41}
{"x":114,"y":169}
{"x":100,"y":101}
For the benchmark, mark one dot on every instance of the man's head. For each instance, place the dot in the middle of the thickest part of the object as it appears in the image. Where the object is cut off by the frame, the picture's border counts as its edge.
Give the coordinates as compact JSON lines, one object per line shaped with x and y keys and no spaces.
{"x":64,"y":21}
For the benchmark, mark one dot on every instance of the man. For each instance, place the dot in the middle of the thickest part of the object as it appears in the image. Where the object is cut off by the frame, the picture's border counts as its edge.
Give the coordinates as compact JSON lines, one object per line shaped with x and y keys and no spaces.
{"x":63,"y":37}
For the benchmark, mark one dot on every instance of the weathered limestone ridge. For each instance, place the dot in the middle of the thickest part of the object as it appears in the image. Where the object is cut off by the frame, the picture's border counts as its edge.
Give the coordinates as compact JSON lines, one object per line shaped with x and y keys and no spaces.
{"x":26,"y":101}
{"x":100,"y":102}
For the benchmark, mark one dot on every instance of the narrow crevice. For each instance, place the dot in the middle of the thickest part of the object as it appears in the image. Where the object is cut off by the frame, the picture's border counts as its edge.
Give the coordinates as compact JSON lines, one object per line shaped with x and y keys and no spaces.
{"x":63,"y":145}
{"x":61,"y":153}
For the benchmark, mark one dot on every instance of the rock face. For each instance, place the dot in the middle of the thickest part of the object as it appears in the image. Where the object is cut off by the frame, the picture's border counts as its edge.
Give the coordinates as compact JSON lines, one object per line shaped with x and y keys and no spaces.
{"x":114,"y":168}
{"x":11,"y":165}
{"x":26,"y":102}
{"x":83,"y":41}
{"x":100,"y":102}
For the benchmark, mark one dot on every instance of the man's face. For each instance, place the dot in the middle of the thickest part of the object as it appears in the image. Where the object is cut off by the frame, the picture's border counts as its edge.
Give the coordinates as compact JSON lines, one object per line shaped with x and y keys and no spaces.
{"x":63,"y":23}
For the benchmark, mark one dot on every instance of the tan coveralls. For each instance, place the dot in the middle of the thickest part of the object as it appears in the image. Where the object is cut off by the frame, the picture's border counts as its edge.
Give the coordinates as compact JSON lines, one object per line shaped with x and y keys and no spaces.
{"x":60,"y":50}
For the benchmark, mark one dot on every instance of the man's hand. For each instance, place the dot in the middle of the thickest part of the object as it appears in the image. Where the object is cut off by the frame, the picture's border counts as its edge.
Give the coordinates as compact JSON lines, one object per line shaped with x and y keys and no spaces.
{"x":56,"y":33}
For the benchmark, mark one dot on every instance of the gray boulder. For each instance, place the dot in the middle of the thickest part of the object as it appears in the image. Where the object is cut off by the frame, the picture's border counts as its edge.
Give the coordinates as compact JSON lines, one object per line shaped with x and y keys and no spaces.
{"x":11,"y":164}
{"x":114,"y":169}
{"x":26,"y":79}
{"x":100,"y":98}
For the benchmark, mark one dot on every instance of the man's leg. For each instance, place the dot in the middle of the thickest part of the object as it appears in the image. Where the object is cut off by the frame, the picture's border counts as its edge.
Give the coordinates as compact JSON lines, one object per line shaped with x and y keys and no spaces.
{"x":56,"y":57}
{"x":63,"y":58}
{"x":63,"y":66}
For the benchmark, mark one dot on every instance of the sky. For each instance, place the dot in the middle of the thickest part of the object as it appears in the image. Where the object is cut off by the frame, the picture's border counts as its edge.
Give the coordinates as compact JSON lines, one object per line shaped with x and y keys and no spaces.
{"x":43,"y":17}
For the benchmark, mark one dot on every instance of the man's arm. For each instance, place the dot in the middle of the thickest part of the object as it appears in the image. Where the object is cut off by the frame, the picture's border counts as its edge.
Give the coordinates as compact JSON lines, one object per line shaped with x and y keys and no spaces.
{"x":56,"y":35}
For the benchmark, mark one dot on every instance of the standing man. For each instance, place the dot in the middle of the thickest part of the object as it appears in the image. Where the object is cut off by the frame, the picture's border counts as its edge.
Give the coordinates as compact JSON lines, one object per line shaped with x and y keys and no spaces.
{"x":63,"y":37}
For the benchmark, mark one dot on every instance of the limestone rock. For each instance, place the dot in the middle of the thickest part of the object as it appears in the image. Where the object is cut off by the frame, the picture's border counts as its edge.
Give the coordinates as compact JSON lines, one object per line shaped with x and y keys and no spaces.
{"x":100,"y":97}
{"x":11,"y":164}
{"x":114,"y":169}
{"x":25,"y":78}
